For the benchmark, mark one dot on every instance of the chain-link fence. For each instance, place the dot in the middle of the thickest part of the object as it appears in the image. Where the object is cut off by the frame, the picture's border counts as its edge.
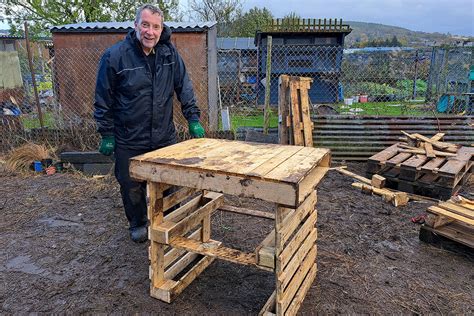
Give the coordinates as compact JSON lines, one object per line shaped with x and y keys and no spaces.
{"x":378,"y":81}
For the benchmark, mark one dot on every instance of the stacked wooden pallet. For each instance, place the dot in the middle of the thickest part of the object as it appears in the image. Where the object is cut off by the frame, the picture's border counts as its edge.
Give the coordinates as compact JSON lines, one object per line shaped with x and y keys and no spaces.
{"x":453,"y":219}
{"x":296,"y":127}
{"x":425,"y":166}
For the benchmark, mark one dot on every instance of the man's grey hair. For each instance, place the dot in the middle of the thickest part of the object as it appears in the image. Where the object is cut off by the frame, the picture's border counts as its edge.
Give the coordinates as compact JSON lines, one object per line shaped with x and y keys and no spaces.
{"x":154,"y":10}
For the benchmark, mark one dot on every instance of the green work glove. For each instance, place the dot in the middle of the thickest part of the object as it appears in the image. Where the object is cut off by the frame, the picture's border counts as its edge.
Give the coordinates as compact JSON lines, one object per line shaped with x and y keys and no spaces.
{"x":107,"y":145}
{"x":196,"y":129}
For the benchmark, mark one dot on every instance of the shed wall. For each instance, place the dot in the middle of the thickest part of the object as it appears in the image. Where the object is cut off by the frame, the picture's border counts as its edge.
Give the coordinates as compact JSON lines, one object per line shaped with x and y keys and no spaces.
{"x":77,"y":56}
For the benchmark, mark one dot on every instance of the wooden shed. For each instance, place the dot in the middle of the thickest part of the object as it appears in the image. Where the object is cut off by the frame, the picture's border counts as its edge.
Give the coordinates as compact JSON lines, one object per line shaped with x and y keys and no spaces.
{"x":11,"y":82}
{"x":78,"y":47}
{"x":308,"y":48}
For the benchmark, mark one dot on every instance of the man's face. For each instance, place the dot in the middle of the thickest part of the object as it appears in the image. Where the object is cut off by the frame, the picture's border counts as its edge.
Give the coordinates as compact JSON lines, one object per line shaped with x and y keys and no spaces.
{"x":149,"y":29}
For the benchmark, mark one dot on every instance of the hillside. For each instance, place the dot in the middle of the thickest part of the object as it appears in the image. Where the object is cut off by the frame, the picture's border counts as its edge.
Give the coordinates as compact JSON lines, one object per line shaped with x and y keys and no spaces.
{"x":363,"y":32}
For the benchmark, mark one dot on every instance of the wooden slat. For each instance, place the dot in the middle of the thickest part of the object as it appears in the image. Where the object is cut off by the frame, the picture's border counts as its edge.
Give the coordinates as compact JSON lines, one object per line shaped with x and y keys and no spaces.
{"x":245,"y":211}
{"x":265,"y":251}
{"x":297,"y":166}
{"x":449,"y":214}
{"x":297,"y":240}
{"x":453,"y":166}
{"x":183,"y":211}
{"x":429,"y":150}
{"x":164,"y":232}
{"x":397,"y":159}
{"x":458,"y":232}
{"x":180,"y":265}
{"x":458,"y":209}
{"x":385,"y":155}
{"x":157,"y":250}
{"x":295,"y":113}
{"x":276,"y":160}
{"x":269,"y":306}
{"x":310,"y":182}
{"x":297,"y":280}
{"x":174,"y":253}
{"x":301,"y":294}
{"x":278,"y":192}
{"x":307,"y":124}
{"x":287,"y":274}
{"x":170,"y":289}
{"x":177,"y":197}
{"x":414,"y":162}
{"x":433,"y":164}
{"x":290,"y":223}
{"x":213,"y":249}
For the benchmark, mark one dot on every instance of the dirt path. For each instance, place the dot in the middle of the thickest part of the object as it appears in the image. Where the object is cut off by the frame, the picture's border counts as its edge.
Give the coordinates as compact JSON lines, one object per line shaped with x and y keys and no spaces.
{"x":65,"y":247}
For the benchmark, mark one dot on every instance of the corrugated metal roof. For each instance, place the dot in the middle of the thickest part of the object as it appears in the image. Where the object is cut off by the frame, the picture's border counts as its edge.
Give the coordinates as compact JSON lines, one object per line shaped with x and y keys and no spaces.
{"x":125,"y":26}
{"x":236,"y":43}
{"x":376,"y":49}
{"x":10,"y":37}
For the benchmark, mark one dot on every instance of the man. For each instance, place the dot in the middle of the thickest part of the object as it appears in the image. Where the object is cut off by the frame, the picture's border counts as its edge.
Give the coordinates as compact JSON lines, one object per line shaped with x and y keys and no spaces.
{"x":133,"y":104}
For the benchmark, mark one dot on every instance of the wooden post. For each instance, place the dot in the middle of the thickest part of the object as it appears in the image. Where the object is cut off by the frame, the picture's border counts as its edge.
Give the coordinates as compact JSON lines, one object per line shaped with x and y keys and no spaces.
{"x":33,"y":80}
{"x":283,"y":110}
{"x":266,"y":113}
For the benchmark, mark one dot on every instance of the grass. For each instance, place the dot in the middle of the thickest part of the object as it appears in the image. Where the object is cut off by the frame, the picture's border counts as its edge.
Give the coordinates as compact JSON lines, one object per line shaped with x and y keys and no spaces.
{"x":395,"y":108}
{"x":31,"y":121}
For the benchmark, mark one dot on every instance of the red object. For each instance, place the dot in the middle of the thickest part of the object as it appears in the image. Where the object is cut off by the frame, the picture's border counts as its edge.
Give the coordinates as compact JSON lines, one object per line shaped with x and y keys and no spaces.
{"x":420,"y":219}
{"x":50,"y":170}
{"x":363,"y":98}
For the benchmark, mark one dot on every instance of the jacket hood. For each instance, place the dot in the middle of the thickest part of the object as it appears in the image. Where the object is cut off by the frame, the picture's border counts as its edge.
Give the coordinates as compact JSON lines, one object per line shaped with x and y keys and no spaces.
{"x":165,"y":36}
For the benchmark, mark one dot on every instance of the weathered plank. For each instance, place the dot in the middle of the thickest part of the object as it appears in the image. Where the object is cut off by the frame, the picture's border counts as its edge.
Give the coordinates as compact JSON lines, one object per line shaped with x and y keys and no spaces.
{"x":213,"y":249}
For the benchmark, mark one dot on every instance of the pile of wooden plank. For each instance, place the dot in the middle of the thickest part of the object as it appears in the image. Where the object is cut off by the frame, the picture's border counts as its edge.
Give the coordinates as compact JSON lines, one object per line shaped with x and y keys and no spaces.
{"x":419,"y":144}
{"x":453,"y":219}
{"x":423,"y":166}
{"x":296,"y":127}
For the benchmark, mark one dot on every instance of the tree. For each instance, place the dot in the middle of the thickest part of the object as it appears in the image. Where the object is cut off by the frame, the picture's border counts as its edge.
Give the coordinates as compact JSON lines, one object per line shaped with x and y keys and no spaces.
{"x":291,"y":19}
{"x":43,"y":14}
{"x":248,"y":23}
{"x":222,"y":11}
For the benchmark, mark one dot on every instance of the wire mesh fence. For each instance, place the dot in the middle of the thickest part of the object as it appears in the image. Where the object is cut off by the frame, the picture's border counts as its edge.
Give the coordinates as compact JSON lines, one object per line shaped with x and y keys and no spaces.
{"x":378,"y":81}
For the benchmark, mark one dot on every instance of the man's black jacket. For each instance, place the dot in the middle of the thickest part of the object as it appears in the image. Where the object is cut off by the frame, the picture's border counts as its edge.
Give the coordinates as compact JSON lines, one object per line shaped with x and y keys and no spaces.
{"x":133,"y":104}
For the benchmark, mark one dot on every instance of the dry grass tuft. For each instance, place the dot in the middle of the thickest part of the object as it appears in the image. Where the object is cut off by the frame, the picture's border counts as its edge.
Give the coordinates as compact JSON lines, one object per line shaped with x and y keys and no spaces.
{"x":20,"y":159}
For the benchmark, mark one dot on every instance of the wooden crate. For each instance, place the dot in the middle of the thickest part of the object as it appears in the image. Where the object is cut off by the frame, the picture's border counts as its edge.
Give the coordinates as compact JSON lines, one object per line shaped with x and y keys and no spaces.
{"x":181,"y":244}
{"x":454,"y":221}
{"x":438,"y":177}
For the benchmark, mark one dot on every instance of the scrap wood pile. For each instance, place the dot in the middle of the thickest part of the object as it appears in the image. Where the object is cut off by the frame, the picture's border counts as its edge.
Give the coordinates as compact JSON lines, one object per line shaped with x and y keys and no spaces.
{"x":453,"y":219}
{"x":423,"y":166}
{"x":376,"y":186}
{"x":431,"y":147}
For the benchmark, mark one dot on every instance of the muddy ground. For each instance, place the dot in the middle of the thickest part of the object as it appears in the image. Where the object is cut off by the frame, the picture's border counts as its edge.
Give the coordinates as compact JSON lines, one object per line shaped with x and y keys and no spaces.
{"x":65,"y":248}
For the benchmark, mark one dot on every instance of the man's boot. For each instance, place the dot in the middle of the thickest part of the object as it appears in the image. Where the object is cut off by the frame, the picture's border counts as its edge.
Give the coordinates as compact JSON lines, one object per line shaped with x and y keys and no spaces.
{"x":139,"y":234}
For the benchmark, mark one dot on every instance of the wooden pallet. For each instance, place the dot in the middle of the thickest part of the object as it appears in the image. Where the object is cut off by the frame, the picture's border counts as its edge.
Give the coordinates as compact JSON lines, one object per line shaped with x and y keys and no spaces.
{"x":454,"y":221}
{"x":181,"y":245}
{"x":296,"y":127}
{"x":416,"y":173}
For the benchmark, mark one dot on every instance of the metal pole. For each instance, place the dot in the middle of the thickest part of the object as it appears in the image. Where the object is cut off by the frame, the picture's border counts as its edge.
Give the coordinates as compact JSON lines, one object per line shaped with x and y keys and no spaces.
{"x":33,"y":80}
{"x":266,"y":113}
{"x":416,"y":75}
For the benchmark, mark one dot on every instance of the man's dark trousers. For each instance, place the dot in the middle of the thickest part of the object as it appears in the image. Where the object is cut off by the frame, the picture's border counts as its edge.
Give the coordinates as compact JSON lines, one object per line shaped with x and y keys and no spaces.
{"x":133,"y":192}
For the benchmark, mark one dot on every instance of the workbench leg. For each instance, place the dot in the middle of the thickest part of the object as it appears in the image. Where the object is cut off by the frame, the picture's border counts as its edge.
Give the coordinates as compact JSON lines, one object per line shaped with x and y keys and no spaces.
{"x":170,"y":220}
{"x":295,"y":254}
{"x":155,"y":216}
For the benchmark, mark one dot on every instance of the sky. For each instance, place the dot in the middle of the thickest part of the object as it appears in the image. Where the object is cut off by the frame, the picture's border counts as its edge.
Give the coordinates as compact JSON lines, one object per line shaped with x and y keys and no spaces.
{"x":443,"y":16}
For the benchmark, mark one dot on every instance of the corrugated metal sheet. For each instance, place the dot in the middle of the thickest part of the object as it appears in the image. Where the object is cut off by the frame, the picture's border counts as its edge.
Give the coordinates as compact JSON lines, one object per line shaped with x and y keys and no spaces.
{"x":10,"y":37}
{"x":357,"y":138}
{"x":125,"y":26}
{"x":236,"y":43}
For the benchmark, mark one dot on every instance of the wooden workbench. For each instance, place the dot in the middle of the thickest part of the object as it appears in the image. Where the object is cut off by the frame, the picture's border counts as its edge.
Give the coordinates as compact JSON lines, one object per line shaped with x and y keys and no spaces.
{"x":180,"y":226}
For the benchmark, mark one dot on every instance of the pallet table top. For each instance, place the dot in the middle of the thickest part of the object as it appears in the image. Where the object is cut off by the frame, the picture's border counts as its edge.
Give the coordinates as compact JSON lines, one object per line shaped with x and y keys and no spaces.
{"x":276,"y":173}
